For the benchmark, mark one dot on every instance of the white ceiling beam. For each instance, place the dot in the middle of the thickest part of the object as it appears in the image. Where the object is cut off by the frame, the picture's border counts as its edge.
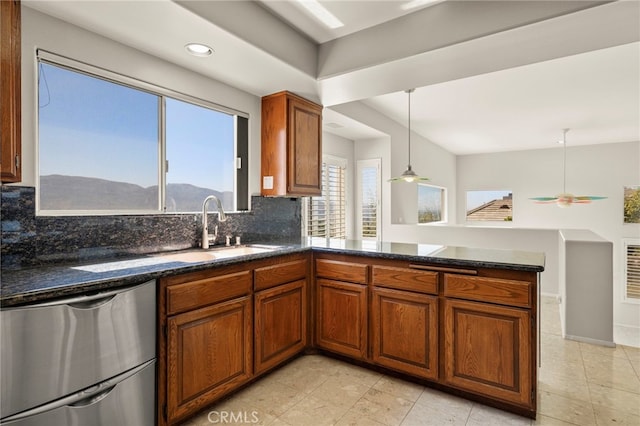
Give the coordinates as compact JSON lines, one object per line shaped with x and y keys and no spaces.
{"x":601,"y":27}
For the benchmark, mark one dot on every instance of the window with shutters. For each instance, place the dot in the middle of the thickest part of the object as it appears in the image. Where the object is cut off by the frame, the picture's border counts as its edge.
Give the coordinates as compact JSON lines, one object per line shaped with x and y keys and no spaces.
{"x":369,"y":189}
{"x":632,"y":270}
{"x":326,"y":215}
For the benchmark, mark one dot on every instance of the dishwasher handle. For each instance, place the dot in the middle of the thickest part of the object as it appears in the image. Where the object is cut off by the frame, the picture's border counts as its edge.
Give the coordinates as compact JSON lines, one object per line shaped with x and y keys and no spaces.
{"x":84,"y":301}
{"x":85,"y":397}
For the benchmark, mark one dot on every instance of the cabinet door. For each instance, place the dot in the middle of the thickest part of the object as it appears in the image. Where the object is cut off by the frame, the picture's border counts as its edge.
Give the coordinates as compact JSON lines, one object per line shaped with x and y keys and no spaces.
{"x":305,"y":156}
{"x":405,"y":331}
{"x":10,"y":127}
{"x":487,"y":350}
{"x":342,"y":317}
{"x":280,"y":324}
{"x":208,"y":354}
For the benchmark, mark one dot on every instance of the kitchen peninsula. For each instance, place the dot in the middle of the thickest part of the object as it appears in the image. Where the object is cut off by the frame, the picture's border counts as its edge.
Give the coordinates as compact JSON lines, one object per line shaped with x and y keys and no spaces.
{"x":463,"y":320}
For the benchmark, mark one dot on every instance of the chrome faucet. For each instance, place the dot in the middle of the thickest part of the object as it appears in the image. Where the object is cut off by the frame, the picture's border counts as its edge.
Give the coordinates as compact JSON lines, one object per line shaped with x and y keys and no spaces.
{"x":206,"y":238}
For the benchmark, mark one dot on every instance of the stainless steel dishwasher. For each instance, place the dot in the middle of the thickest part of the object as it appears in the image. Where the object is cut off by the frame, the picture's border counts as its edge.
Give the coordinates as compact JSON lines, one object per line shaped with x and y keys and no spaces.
{"x":87,"y":360}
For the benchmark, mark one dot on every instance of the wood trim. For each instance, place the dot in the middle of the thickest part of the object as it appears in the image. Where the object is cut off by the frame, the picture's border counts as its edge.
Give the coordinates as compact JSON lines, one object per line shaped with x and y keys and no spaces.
{"x":10,"y":84}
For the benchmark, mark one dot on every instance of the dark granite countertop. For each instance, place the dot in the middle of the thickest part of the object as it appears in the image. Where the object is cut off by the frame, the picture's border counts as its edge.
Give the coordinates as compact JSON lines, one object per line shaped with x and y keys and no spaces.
{"x":436,"y":254}
{"x":33,"y":285}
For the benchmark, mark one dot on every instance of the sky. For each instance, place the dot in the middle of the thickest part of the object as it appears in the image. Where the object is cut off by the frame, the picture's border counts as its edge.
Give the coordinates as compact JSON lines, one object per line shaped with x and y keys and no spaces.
{"x":110,"y":131}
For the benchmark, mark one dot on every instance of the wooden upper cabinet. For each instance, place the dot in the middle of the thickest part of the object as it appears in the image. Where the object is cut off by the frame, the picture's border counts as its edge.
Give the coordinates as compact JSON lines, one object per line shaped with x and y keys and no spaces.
{"x":10,"y":140}
{"x":291,"y":146}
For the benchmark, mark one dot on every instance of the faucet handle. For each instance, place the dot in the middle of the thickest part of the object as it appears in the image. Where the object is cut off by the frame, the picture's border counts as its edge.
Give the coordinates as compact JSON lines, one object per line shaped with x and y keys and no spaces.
{"x":228,"y":240}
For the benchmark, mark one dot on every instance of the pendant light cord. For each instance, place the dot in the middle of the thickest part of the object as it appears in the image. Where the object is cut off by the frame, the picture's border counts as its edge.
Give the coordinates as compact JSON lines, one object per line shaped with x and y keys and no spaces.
{"x":409,"y":125}
{"x":564,"y":162}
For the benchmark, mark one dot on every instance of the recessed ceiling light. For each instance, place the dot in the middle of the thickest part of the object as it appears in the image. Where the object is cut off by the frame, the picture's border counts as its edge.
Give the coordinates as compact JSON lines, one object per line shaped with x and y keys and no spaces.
{"x":321,"y":13}
{"x":198,"y":49}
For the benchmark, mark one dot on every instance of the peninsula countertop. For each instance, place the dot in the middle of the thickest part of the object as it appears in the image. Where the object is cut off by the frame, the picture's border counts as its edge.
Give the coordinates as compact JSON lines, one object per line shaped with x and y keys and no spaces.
{"x":36,"y":284}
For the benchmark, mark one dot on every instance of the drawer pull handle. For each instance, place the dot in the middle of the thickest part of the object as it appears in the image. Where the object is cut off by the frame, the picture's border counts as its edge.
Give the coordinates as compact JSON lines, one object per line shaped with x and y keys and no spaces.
{"x":444,"y":269}
{"x":93,"y":399}
{"x":91,"y":303}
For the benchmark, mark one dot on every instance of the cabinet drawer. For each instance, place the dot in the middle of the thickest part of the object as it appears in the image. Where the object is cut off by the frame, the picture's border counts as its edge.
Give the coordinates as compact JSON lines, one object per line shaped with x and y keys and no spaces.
{"x":273,"y":275}
{"x":203,"y":292}
{"x":485,"y":289}
{"x":341,"y":271}
{"x":405,"y":279}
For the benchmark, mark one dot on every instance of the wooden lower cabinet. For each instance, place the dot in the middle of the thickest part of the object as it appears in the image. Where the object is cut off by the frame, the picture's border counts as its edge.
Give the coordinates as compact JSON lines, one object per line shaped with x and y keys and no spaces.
{"x":341,"y":317}
{"x":280,"y":324}
{"x":405,"y":331}
{"x":209,"y":352}
{"x":487,"y":350}
{"x":469,"y":331}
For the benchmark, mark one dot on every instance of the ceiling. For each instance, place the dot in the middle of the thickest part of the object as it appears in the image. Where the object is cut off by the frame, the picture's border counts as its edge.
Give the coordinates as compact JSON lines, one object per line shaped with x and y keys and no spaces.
{"x":489,"y":75}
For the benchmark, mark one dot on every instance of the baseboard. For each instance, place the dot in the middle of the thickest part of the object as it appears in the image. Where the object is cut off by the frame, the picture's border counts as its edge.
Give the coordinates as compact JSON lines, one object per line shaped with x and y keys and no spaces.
{"x":591,"y":341}
{"x":627,"y":335}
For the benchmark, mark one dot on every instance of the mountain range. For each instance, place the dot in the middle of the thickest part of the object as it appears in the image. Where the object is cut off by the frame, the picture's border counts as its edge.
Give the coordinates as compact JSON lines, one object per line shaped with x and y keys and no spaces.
{"x":59,"y":192}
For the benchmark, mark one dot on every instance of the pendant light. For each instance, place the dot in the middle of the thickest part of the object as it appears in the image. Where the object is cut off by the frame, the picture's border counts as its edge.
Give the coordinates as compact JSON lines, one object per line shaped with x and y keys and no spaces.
{"x":408,"y":175}
{"x":565,"y":199}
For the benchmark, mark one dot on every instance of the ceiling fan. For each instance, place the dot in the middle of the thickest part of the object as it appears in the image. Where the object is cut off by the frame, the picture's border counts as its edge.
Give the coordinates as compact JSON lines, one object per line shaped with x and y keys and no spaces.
{"x":566,"y":199}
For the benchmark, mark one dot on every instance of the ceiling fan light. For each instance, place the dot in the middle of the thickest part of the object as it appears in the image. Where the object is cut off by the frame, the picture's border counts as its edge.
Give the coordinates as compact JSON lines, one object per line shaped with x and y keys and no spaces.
{"x":566,"y":199}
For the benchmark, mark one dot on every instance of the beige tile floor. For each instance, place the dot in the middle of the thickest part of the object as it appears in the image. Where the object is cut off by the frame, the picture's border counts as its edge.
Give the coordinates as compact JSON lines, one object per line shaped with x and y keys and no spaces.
{"x":579,"y":384}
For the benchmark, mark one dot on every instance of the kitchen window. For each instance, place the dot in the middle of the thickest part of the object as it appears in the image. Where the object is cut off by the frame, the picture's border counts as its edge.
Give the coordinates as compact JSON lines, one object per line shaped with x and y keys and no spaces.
{"x":325,"y":216}
{"x":109,"y":144}
{"x":431,"y":203}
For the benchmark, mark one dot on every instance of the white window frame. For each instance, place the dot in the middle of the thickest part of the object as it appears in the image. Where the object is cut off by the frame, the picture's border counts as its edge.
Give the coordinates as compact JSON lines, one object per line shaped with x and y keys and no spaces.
{"x":360,"y":165}
{"x":162,"y":92}
{"x":445,"y":210}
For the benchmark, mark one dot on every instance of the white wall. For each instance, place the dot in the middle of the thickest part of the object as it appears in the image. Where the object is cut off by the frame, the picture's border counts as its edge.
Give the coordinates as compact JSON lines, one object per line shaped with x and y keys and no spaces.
{"x":338,"y":146}
{"x":427,"y":159}
{"x":591,"y":170}
{"x":40,"y":31}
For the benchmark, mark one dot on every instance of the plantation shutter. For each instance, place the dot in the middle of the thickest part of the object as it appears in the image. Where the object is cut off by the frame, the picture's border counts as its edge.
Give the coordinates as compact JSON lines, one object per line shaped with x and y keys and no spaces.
{"x":326,"y":214}
{"x":369,"y":196}
{"x":632,"y":250}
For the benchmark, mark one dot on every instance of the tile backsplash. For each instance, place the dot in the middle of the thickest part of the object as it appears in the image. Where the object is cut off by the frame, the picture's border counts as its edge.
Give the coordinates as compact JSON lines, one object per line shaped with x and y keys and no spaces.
{"x":30,"y":240}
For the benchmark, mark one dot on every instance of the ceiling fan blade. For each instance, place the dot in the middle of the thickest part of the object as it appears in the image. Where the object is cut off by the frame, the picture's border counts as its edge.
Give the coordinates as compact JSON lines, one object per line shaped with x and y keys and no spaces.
{"x":544,"y":199}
